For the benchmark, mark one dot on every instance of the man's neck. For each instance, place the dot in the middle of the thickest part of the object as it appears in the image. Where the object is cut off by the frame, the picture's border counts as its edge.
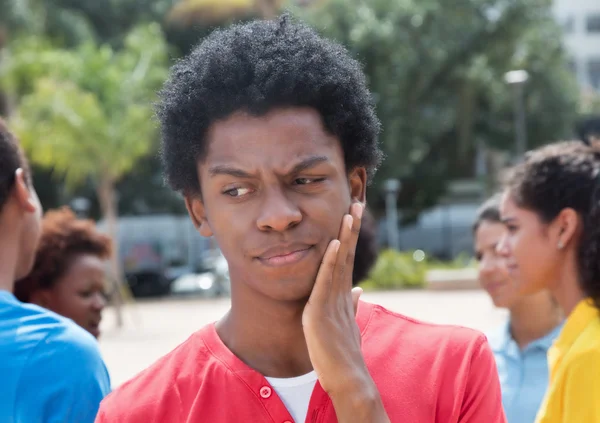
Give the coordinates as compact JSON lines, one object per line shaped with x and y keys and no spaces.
{"x":266,"y":335}
{"x":9,"y":253}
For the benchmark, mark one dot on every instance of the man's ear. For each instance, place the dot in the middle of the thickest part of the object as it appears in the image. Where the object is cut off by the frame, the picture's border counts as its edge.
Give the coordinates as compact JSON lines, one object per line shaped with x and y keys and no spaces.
{"x":24,"y":193}
{"x":358,"y":184}
{"x":195,"y":208}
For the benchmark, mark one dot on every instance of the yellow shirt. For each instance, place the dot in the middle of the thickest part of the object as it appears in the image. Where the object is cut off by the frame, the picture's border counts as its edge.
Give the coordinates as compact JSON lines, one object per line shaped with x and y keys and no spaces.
{"x":573,"y":395}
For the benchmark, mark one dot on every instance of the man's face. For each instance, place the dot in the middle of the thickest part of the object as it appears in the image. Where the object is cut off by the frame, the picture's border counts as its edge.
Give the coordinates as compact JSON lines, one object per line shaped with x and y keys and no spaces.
{"x":274,"y":191}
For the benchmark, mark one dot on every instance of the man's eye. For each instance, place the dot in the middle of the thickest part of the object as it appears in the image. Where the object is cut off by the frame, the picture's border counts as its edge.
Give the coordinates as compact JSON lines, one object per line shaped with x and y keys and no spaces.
{"x":237,"y":192}
{"x":306,"y":181}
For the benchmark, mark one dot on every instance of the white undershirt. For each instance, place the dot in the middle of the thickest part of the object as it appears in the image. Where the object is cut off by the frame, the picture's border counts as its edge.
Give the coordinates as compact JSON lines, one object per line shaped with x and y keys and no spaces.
{"x":295,"y":392}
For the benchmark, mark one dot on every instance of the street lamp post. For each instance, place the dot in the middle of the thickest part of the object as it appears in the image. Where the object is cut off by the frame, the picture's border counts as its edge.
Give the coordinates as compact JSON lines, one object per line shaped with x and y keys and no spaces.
{"x":517,"y":79}
{"x":392,"y":188}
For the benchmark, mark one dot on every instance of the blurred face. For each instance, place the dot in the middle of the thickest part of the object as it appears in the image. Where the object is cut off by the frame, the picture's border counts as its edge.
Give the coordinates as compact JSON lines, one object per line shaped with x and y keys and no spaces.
{"x":274,"y":191}
{"x":79,"y":293}
{"x":530,"y":252}
{"x":493,"y":273}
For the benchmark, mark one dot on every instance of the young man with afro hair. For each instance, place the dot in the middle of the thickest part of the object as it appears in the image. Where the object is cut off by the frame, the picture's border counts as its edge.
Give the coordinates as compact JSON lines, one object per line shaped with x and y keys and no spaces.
{"x":50,"y":368}
{"x":270,"y":134}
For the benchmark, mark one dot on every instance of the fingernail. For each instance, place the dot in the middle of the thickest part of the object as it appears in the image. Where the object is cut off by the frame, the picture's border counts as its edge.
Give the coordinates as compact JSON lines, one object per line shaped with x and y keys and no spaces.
{"x":359,"y":212}
{"x":349,"y":222}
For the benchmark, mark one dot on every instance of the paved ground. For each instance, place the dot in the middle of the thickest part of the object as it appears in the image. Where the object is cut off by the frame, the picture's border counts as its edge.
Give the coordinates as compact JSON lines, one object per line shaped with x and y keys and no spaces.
{"x":153,"y":328}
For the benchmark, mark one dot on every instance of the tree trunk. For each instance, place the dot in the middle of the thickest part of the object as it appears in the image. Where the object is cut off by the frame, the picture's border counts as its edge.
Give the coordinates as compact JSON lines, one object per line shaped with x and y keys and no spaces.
{"x":108,"y":203}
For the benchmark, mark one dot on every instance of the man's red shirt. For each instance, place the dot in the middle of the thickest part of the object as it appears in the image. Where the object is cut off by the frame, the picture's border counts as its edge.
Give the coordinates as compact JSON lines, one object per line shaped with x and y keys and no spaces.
{"x":424,"y":373}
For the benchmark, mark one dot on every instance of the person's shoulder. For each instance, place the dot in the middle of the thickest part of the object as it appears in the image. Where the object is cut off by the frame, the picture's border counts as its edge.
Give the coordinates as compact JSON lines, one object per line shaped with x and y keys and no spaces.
{"x":586,"y":349}
{"x":434,"y":337}
{"x":33,"y":319}
{"x":62,"y":341}
{"x":146,"y":395}
{"x":46,"y":330}
{"x":62,"y":355}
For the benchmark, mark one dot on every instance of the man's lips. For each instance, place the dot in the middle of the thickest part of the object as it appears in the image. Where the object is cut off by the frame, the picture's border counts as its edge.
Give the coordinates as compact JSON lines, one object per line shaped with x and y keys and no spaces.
{"x":284,"y":254}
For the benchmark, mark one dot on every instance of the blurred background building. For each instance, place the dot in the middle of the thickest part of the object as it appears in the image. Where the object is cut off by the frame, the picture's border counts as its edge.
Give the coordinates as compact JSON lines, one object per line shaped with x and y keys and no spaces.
{"x":580,"y":21}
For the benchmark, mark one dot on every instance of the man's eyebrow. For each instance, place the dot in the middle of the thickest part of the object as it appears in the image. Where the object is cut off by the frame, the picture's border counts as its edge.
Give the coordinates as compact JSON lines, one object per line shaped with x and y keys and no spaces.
{"x":506,"y":220}
{"x":228,"y":170}
{"x":239,"y":173}
{"x":308,"y":163}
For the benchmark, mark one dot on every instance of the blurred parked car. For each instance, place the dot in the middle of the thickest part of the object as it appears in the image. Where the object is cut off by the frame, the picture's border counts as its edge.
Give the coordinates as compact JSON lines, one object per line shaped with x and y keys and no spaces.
{"x":211,"y":279}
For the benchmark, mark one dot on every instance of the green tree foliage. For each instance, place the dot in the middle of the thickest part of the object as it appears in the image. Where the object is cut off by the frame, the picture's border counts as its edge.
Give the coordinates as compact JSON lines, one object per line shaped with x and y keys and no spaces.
{"x":437,"y":72}
{"x":87,"y":112}
{"x":436,"y":69}
{"x":216,"y":12}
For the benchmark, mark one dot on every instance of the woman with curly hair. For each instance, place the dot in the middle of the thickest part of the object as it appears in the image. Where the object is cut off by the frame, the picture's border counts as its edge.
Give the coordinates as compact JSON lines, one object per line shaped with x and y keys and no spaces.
{"x":69,"y":272}
{"x":551,"y":210}
{"x":521,"y":343}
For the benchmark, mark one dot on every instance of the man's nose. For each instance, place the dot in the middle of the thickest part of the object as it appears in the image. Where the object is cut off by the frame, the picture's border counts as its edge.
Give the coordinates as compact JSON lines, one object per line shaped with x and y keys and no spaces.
{"x":278,"y":212}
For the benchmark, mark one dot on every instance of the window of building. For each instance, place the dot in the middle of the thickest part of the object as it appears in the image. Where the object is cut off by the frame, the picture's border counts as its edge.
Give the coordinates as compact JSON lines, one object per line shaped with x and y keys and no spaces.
{"x":593,"y":23}
{"x":594,"y":72}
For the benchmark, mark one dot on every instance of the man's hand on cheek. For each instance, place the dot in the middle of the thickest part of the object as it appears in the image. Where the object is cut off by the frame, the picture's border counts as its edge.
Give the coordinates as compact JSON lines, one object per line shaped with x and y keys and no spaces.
{"x":332,"y":335}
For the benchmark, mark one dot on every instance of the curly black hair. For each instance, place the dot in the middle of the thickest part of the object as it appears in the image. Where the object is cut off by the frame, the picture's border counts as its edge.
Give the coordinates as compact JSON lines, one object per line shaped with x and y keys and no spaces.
{"x":559,"y":176}
{"x":256,"y":67}
{"x":64,"y":237}
{"x":11,"y":159}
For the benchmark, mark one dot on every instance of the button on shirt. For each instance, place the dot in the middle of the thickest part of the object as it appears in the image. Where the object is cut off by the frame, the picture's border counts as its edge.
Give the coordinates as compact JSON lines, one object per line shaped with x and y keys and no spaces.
{"x":295,"y":392}
{"x":574,"y":361}
{"x":523,"y":373}
{"x":50,"y":368}
{"x":425,"y":373}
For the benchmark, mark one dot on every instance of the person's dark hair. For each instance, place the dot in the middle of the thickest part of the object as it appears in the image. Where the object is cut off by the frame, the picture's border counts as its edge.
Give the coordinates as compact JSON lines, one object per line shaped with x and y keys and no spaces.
{"x":257,"y":67}
{"x":11,"y":159}
{"x":366,"y":249}
{"x":559,"y":176}
{"x":489,"y":211}
{"x":589,"y":128}
{"x":64,"y":237}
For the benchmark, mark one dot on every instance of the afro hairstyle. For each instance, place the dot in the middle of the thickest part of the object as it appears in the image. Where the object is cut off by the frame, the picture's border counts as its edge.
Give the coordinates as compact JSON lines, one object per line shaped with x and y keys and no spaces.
{"x":257,"y":67}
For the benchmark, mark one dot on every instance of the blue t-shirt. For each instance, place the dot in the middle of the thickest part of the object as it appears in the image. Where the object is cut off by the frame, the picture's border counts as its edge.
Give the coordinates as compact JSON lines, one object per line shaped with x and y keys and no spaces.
{"x":51,"y":370}
{"x":523,"y":373}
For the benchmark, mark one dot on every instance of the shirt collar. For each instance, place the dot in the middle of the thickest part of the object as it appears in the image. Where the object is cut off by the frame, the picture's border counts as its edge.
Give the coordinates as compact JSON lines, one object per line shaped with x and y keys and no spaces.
{"x":546,"y":341}
{"x":502,"y":339}
{"x":584,"y":313}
